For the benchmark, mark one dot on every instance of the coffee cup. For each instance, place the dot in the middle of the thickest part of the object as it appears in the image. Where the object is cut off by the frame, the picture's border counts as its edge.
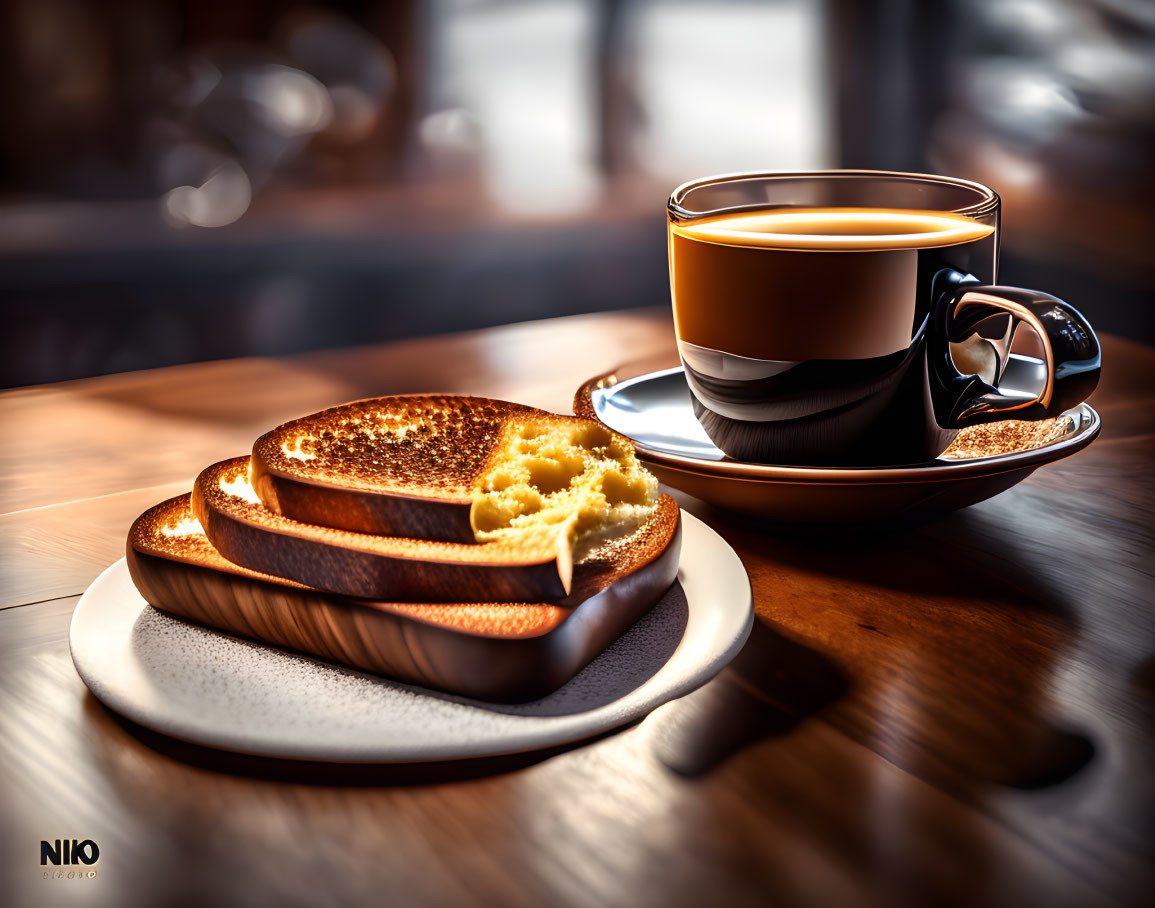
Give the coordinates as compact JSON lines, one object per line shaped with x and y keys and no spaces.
{"x":853,"y":317}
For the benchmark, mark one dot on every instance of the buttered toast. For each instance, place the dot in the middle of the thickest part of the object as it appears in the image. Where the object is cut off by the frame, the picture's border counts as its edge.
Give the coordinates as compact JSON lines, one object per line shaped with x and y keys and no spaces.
{"x":476,"y":546}
{"x":452,"y":469}
{"x":536,"y":566}
{"x":489,"y":650}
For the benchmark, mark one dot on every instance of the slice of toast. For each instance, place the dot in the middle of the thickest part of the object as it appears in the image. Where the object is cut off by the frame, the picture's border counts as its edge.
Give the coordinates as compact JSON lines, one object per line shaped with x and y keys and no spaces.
{"x":393,"y":466}
{"x":450,"y":469}
{"x":535,"y":567}
{"x":490,"y":650}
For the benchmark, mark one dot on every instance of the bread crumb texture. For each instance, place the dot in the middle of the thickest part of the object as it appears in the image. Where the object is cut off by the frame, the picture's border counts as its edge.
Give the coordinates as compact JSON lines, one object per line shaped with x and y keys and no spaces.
{"x":427,"y":445}
{"x":171,"y":530}
{"x":562,"y":472}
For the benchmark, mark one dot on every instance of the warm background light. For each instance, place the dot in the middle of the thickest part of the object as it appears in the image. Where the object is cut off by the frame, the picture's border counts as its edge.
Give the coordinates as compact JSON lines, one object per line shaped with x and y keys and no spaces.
{"x":327,"y":174}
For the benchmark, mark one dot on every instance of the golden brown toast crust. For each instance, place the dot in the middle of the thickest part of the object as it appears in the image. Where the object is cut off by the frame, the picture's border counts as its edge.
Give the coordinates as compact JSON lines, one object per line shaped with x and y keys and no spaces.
{"x":392,"y":466}
{"x":373,"y":567}
{"x":496,"y":651}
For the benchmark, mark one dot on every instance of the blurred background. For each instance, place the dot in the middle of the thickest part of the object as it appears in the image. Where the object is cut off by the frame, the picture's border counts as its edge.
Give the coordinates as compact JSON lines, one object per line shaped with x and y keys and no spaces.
{"x":189,"y":179}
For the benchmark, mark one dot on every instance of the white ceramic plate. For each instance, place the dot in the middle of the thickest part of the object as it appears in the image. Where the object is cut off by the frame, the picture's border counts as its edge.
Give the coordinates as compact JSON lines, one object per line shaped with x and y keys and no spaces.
{"x":220,"y":691}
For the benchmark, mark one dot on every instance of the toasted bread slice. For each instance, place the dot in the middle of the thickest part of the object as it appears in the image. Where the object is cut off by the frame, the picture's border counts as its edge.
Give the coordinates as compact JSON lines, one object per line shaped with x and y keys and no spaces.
{"x":490,"y":650}
{"x":451,"y":469}
{"x":536,"y":566}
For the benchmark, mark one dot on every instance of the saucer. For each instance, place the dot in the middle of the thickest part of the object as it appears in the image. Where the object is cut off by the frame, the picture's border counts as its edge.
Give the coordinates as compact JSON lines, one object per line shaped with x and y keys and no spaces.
{"x":651,"y":406}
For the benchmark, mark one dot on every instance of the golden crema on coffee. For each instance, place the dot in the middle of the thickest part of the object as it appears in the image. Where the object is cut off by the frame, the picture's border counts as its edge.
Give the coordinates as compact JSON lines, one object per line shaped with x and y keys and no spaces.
{"x":764,"y":284}
{"x":835,"y":229}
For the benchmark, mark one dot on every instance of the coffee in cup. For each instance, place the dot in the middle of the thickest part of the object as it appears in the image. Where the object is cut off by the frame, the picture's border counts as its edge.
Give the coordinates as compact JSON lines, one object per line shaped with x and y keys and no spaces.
{"x":805,"y":327}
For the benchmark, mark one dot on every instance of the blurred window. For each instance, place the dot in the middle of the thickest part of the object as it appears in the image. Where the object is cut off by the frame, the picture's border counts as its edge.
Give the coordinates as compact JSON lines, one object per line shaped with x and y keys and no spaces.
{"x":694,"y":87}
{"x":522,"y":71}
{"x":732,"y":86}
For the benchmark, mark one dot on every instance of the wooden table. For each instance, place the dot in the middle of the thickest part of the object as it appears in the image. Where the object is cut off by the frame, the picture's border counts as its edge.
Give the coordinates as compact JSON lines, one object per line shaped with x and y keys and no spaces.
{"x":959,"y":714}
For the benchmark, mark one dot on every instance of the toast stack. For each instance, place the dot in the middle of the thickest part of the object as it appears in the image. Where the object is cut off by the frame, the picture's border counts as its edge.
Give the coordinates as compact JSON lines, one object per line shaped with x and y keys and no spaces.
{"x":474,"y":546}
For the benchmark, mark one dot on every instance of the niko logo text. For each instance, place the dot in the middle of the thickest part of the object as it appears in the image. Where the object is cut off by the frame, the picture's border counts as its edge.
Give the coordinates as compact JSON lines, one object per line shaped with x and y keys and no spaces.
{"x":69,"y":852}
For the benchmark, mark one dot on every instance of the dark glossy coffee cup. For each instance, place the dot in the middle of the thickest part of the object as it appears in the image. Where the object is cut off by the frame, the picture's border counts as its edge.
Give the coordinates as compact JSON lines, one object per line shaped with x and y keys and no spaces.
{"x":852,"y":317}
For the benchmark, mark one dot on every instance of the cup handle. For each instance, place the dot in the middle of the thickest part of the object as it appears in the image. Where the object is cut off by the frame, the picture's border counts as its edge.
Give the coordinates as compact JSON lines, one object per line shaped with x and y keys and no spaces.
{"x":1071,"y":352}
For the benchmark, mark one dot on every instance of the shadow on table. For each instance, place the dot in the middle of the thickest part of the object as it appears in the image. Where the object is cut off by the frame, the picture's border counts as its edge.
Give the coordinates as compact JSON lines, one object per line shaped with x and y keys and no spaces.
{"x":958,"y":555}
{"x":772,"y":685}
{"x":939,"y":646}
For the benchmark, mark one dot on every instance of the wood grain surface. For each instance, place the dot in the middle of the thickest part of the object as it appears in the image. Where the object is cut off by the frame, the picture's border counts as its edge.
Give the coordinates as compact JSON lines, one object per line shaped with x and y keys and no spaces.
{"x":958,"y":714}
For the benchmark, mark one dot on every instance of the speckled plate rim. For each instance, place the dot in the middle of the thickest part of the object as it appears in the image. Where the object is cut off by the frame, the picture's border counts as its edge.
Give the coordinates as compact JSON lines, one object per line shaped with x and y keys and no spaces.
{"x":720,"y":615}
{"x":1087,"y":425}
